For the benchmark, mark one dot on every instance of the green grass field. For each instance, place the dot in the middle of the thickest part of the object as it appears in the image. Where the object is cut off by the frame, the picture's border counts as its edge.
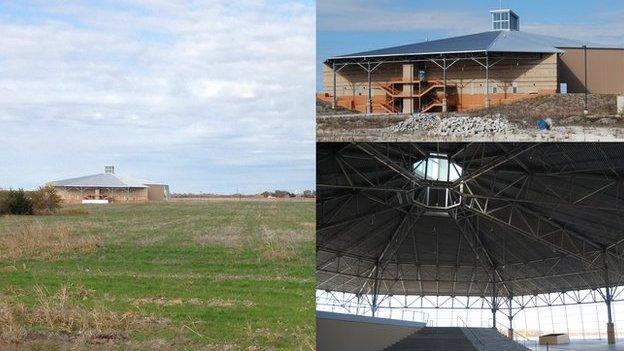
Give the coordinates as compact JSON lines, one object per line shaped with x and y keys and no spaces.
{"x":214,"y":275}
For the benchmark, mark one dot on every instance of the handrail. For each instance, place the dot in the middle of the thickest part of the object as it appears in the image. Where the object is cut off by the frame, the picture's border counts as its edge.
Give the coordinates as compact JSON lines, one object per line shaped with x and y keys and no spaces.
{"x":459,"y":318}
{"x":526,"y":338}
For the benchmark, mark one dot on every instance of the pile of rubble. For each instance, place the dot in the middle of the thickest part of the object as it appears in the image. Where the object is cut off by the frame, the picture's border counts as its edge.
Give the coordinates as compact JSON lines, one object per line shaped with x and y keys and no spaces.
{"x":471,"y":126}
{"x":418,"y":122}
{"x":456,"y":126}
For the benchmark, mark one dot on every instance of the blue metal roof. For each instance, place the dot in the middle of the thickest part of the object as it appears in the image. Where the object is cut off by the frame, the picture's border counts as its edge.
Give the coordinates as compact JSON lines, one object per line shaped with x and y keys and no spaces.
{"x":492,"y":41}
{"x":103,"y":180}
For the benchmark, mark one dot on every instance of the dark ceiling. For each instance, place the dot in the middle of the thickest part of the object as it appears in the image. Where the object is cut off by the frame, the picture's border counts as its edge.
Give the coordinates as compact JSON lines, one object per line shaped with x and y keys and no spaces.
{"x":532,"y":218}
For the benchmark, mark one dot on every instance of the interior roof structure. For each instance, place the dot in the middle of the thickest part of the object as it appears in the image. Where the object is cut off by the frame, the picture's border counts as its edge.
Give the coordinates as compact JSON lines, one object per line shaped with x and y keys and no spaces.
{"x":521,"y":219}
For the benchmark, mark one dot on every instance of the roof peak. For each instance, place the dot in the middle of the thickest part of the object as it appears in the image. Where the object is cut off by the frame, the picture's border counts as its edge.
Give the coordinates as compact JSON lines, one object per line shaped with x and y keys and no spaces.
{"x":490,"y":41}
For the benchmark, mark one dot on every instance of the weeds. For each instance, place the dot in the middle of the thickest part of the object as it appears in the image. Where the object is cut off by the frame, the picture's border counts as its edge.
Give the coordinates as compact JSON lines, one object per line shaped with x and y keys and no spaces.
{"x":57,"y":316}
{"x":43,"y":241}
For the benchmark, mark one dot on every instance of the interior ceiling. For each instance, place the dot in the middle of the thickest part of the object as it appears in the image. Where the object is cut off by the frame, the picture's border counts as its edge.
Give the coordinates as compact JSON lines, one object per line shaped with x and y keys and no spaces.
{"x":532,"y":218}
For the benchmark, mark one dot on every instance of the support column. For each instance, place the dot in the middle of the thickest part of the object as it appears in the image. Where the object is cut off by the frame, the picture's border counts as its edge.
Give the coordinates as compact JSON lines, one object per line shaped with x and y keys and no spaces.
{"x":487,"y":80}
{"x":585,"y":76}
{"x":608,"y":299}
{"x":494,"y":304}
{"x":444,"y":101}
{"x":375,"y":292}
{"x":408,"y":89}
{"x":335,"y":99}
{"x":510,"y":331}
{"x":369,"y":106}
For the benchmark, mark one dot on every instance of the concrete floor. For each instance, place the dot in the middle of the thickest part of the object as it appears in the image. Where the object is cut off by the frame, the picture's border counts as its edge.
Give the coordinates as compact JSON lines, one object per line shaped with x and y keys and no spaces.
{"x":582,"y":345}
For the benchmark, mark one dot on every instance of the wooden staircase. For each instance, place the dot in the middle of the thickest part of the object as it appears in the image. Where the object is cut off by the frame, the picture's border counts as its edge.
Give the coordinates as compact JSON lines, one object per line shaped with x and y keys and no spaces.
{"x":427,"y":93}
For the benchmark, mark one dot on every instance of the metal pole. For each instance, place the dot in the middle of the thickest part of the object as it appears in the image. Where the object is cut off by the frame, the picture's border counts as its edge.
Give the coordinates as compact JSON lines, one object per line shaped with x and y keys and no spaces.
{"x":375,"y":292}
{"x":370,"y":93}
{"x":585,"y":54}
{"x":510,"y":331}
{"x":444,"y":106}
{"x":335,"y":100}
{"x":608,"y":298}
{"x":487,"y":80}
{"x":494,"y":306}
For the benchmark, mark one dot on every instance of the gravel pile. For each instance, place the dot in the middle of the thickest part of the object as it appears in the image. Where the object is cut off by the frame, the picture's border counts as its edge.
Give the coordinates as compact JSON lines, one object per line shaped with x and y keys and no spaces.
{"x":418,"y":122}
{"x":470,"y":126}
{"x":459,"y":126}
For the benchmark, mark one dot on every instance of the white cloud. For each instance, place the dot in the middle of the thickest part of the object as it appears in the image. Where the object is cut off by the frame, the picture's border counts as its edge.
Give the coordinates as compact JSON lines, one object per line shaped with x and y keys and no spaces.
{"x":167,"y":78}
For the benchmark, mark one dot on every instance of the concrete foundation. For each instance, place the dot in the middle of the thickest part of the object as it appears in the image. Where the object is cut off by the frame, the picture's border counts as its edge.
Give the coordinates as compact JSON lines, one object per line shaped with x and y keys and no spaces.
{"x":611,"y":333}
{"x":510,"y":333}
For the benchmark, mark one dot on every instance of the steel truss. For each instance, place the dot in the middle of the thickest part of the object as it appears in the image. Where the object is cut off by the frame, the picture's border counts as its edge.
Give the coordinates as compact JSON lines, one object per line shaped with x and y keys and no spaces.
{"x":478,"y":197}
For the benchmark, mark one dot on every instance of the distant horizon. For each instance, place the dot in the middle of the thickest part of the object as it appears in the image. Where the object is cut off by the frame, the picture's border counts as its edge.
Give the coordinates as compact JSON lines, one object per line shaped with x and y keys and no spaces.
{"x":204,"y":96}
{"x":293,"y":191}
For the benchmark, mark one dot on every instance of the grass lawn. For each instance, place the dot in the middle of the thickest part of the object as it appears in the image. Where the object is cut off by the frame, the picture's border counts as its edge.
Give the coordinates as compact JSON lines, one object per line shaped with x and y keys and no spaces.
{"x":218,"y":275}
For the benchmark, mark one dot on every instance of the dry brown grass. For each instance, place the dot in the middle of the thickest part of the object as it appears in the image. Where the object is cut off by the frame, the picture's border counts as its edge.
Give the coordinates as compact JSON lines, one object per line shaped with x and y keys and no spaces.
{"x":280,"y":245}
{"x":58,"y":317}
{"x":554,"y":106}
{"x":230,"y":237}
{"x":263,"y":336}
{"x":73,"y":211}
{"x":215,"y":302}
{"x":45,"y":241}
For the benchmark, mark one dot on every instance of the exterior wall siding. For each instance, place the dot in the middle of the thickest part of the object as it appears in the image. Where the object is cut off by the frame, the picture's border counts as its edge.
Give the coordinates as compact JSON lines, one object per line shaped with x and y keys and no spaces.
{"x":156,"y":193}
{"x":605,"y":70}
{"x":530,"y":75}
{"x":75,"y":196}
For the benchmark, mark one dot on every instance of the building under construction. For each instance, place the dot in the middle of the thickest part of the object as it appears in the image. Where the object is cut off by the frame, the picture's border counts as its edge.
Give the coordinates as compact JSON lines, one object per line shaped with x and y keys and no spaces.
{"x":471,"y":71}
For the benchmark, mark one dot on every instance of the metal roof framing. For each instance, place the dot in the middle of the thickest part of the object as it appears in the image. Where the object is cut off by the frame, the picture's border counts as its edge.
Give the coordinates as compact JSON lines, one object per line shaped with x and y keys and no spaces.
{"x":532,"y":219}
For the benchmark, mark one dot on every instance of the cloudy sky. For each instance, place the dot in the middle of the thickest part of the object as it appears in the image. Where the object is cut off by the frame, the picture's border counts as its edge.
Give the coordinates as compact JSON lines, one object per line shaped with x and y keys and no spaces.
{"x":349,"y":26}
{"x":209,"y":96}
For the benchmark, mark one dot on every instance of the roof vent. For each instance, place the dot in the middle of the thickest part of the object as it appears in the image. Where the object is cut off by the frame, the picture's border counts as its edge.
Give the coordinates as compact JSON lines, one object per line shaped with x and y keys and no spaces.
{"x":109,"y":169}
{"x":505,"y":19}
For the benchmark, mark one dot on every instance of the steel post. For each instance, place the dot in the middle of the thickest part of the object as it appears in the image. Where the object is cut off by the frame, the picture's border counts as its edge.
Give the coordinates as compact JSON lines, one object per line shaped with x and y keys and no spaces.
{"x":444,"y":101}
{"x":510,"y":331}
{"x":608,"y":299}
{"x":494,"y":304}
{"x":335,"y":98}
{"x":487,"y":81}
{"x":369,"y":108}
{"x":585,"y":76}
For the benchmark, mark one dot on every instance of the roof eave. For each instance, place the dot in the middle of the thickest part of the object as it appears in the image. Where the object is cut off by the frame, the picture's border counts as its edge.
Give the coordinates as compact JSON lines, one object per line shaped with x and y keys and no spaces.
{"x":404,"y":54}
{"x":336,"y":58}
{"x":99,"y":186}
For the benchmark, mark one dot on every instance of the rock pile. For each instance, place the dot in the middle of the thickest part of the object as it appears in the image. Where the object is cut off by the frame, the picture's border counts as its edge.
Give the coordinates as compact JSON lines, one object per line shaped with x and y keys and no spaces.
{"x":456,"y":126}
{"x":418,"y":122}
{"x":470,"y":126}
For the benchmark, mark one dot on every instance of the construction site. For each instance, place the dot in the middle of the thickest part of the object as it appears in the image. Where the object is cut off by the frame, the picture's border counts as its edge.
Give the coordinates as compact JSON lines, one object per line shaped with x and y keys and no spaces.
{"x":471,"y":71}
{"x":470,"y":246}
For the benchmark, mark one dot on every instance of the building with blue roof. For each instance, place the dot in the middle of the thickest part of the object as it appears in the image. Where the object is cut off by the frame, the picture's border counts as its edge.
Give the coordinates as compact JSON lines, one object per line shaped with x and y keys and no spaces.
{"x":107,"y":187}
{"x":471,"y":71}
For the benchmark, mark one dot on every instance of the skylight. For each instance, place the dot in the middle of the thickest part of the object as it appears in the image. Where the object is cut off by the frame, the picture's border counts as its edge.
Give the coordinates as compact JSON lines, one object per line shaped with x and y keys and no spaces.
{"x":437,"y":167}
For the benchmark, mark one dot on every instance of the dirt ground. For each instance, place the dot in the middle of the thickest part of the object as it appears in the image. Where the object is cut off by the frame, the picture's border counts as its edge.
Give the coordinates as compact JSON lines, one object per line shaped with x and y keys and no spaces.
{"x":569,"y":123}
